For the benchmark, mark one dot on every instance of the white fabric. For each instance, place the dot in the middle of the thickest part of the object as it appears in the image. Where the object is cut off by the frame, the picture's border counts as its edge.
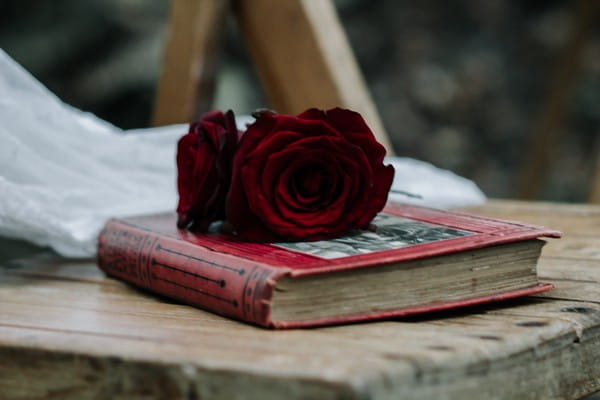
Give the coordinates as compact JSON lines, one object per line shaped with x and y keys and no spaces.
{"x":419,"y":182}
{"x":64,"y":172}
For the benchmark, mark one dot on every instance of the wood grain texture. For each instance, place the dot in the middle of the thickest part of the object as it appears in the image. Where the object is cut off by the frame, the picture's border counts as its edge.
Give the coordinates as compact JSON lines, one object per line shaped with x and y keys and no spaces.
{"x":303,"y":58}
{"x":68,"y":332}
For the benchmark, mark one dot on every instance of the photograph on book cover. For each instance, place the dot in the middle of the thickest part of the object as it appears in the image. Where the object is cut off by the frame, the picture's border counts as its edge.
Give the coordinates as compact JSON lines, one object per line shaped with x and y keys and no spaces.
{"x":390,"y":232}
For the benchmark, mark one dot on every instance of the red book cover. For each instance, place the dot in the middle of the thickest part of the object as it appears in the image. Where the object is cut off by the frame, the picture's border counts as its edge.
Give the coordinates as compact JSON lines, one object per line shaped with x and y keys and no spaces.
{"x":218,"y":273}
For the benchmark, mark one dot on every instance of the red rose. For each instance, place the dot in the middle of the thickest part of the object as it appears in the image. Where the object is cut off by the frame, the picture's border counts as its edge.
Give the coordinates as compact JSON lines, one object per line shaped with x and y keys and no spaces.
{"x":204,"y":162}
{"x":310,"y":177}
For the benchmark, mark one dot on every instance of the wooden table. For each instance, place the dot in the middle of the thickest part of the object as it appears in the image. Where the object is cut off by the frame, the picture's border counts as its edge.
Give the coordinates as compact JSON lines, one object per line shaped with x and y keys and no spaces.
{"x":66,"y":331}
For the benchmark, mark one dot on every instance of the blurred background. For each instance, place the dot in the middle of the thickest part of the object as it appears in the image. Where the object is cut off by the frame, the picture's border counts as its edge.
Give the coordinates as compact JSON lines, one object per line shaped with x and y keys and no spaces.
{"x":467,"y":85}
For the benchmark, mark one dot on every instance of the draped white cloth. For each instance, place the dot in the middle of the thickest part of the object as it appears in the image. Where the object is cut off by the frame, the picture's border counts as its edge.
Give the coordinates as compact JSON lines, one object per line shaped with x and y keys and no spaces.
{"x":64,"y":172}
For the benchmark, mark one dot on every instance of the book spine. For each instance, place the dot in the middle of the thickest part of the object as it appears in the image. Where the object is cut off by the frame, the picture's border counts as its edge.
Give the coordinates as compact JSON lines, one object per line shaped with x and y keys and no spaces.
{"x":225,"y":284}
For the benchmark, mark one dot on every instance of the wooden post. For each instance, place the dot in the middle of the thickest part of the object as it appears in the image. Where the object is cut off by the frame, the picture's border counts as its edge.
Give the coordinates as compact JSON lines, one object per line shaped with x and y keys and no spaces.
{"x":298,"y":47}
{"x":187,"y":79}
{"x":550,"y":125}
{"x":303,"y":58}
{"x":595,"y":193}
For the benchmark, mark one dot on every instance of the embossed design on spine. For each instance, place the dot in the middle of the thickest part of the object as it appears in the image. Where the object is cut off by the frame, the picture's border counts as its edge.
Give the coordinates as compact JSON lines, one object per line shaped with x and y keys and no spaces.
{"x":239,"y":271}
{"x":234,"y":303}
{"x":218,"y":286}
{"x":248,"y":294}
{"x":181,"y":270}
{"x":255,"y":304}
{"x":144,"y":259}
{"x":120,"y":250}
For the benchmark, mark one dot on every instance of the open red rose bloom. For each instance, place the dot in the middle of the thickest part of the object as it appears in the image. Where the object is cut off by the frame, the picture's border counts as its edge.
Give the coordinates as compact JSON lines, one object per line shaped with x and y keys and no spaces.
{"x":307,"y":177}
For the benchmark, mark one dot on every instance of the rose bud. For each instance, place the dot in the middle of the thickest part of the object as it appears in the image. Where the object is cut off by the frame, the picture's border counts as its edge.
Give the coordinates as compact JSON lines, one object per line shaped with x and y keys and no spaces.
{"x":204,"y":164}
{"x":309,"y":177}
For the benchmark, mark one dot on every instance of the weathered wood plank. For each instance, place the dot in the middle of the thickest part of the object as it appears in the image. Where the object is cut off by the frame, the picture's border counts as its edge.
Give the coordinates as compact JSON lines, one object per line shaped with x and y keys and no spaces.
{"x":110,"y":314}
{"x":42,"y":306}
{"x":574,"y":247}
{"x":573,"y":290}
{"x":77,"y":334}
{"x":36,"y":373}
{"x":584,"y":316}
{"x":419,"y":359}
{"x":568,"y":268}
{"x":538,"y":209}
{"x":570,"y":373}
{"x":50,"y":265}
{"x":572,"y":219}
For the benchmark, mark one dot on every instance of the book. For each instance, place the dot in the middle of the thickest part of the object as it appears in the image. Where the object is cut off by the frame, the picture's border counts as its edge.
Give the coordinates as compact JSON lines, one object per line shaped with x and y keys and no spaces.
{"x":414,"y":260}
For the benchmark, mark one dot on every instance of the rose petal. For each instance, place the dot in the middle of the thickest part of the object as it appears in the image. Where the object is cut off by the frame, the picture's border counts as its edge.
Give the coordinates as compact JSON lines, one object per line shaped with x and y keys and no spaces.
{"x":307,"y":177}
{"x":352,"y":125}
{"x":204,"y":158}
